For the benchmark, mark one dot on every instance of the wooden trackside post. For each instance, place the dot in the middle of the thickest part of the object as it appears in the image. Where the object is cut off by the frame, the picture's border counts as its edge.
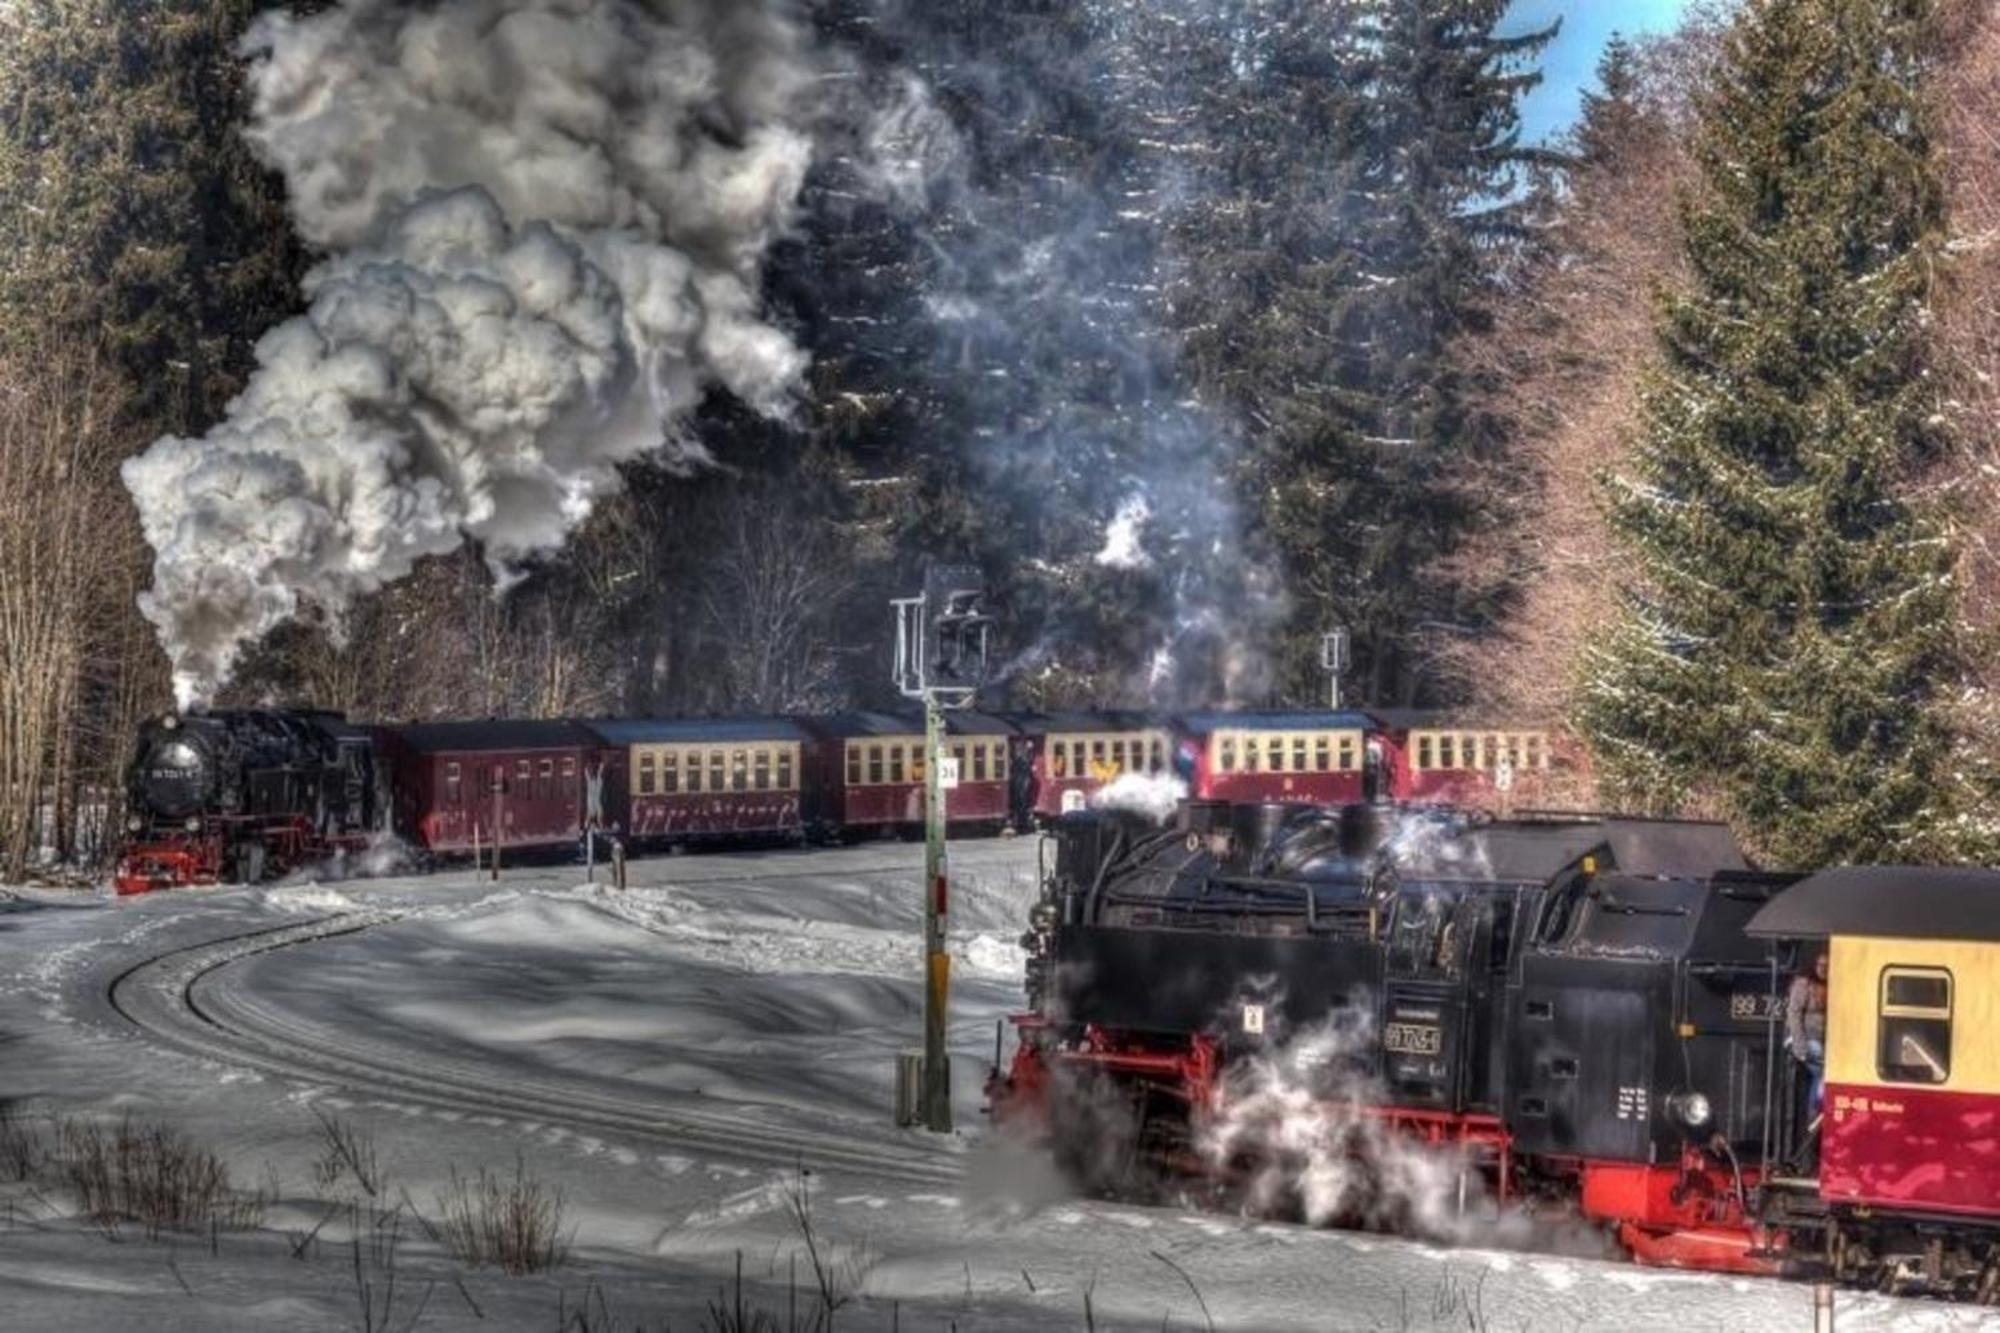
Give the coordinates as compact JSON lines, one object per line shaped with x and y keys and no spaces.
{"x":618,"y":863}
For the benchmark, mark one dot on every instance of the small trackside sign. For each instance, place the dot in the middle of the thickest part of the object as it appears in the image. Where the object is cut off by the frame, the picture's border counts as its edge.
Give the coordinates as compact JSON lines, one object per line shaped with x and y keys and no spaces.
{"x":1253,"y":1019}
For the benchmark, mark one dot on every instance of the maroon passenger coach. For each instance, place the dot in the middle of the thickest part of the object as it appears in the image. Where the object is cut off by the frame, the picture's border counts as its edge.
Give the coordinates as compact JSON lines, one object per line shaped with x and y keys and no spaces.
{"x":682,"y":780}
{"x":462,"y":785}
{"x":867,"y":771}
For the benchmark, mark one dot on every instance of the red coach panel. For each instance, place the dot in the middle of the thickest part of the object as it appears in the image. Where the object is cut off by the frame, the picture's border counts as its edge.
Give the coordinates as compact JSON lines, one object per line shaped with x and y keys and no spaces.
{"x":868,"y":770}
{"x":459,"y":785}
{"x":1314,"y":757}
{"x":686,"y":779}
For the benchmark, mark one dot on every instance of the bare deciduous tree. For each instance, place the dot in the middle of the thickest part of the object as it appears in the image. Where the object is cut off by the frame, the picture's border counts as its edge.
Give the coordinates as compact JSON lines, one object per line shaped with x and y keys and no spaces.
{"x":72,"y":652}
{"x":766,"y":602}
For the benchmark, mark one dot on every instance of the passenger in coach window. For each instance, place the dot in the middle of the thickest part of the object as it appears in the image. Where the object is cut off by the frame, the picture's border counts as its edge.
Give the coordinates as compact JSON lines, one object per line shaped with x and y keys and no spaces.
{"x":1805,"y":1040}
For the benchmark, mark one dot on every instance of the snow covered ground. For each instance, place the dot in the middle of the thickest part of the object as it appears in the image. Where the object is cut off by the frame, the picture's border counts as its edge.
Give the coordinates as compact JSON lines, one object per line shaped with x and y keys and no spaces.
{"x":672,"y":1057}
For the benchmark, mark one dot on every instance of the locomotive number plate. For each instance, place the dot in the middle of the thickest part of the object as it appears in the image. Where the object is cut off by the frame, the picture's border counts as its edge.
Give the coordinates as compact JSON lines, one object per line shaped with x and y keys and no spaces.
{"x":1752,"y":1004}
{"x":1412,"y":1039}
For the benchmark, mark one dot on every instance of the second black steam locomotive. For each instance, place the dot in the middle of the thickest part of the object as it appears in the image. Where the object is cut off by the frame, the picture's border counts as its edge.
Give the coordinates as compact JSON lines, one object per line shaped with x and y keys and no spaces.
{"x":1569,"y":1007}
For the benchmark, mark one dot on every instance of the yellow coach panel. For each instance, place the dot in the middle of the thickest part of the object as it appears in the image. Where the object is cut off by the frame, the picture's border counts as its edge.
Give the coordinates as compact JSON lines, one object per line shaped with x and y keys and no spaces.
{"x":1953,"y":986}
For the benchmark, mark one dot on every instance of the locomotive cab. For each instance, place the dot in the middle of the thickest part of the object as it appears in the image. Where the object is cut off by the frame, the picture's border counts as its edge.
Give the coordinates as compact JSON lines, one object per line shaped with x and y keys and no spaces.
{"x":1641,"y":1019}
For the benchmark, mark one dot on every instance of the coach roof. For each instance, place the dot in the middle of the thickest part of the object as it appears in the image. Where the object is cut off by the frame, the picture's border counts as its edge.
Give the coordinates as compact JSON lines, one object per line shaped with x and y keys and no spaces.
{"x":958,"y":722}
{"x":688,"y":730}
{"x":495,"y":734}
{"x":1202,"y":724}
{"x":1897,"y":902}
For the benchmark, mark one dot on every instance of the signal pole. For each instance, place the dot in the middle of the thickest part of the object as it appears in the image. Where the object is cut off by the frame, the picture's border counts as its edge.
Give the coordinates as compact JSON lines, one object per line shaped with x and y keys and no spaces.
{"x":940,"y":659}
{"x":937,"y":960}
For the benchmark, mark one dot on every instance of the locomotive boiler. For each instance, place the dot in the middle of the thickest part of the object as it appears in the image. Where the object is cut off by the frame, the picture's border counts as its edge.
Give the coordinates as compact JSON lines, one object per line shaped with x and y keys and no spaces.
{"x":239,"y":794}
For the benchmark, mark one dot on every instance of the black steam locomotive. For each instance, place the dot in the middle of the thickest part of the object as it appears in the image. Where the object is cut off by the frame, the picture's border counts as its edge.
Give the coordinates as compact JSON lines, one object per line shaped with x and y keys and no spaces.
{"x":243,"y":793}
{"x":1569,"y":1006}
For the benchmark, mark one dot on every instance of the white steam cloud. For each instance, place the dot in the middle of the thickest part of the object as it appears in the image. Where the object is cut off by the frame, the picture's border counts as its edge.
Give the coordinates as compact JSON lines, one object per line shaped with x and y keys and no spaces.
{"x":1154,"y":795}
{"x":1302,"y":1116}
{"x":546,"y":220}
{"x":1125,"y":539}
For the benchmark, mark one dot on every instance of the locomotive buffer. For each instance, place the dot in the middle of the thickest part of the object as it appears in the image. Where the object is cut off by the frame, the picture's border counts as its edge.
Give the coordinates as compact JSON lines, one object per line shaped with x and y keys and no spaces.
{"x":941,"y":659}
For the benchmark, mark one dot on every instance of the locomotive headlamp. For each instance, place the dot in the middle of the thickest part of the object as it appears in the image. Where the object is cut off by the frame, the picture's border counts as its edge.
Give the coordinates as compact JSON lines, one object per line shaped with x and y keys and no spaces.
{"x":169,"y":722}
{"x":1691,"y":1110}
{"x":193,"y":824}
{"x":135,"y":824}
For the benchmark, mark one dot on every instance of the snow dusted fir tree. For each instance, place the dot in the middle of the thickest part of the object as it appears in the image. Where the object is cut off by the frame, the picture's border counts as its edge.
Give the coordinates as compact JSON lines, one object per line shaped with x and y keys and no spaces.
{"x":1369,"y":159}
{"x":1790,"y":625}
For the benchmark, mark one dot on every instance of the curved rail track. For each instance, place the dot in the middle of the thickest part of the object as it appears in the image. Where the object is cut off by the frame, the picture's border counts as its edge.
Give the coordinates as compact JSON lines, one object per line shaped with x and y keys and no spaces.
{"x":177,"y":999}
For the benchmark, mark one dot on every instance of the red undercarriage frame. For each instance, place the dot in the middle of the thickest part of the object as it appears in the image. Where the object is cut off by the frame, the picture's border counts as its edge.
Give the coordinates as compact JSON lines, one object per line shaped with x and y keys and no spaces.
{"x":180,"y":860}
{"x":1685,"y":1214}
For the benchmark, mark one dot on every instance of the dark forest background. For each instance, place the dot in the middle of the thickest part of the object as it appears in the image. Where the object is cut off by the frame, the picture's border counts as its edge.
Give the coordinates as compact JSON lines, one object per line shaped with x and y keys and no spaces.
{"x":1676,"y":434}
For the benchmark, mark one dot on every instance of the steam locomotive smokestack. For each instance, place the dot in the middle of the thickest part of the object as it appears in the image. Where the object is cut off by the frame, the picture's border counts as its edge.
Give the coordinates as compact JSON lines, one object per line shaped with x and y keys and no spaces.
{"x":545,"y":221}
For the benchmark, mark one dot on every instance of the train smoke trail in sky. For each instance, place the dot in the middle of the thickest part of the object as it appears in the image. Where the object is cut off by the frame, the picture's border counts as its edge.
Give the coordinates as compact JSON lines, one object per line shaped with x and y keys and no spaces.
{"x":545,"y":221}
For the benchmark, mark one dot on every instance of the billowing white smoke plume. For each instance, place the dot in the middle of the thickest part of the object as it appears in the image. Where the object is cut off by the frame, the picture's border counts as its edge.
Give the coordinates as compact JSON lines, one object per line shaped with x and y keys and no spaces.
{"x":545,"y":220}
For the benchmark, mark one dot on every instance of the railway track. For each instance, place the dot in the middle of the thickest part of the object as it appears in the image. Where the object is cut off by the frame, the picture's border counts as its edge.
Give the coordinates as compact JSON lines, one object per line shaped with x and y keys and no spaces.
{"x":180,"y":999}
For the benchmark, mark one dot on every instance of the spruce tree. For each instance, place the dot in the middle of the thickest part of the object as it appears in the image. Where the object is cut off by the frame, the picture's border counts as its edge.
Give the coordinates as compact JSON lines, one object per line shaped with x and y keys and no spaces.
{"x":137,"y":216}
{"x":1792,"y":621}
{"x":1369,"y":154}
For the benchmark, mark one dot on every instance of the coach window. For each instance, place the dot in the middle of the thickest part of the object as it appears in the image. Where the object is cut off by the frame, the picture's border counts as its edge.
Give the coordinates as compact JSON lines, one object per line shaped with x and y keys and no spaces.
{"x":784,"y":758}
{"x":545,"y":780}
{"x":1299,"y":753}
{"x":645,"y":773}
{"x":694,"y":770}
{"x":1914,"y":1025}
{"x":453,"y":792}
{"x":853,"y":765}
{"x":916,"y":763}
{"x":1274,"y":750}
{"x":978,"y":773}
{"x":717,"y":767}
{"x":569,"y":777}
{"x":875,"y":765}
{"x":1532,"y":747}
{"x":670,"y":772}
{"x":895,"y":763}
{"x":761,"y":770}
{"x":1423,"y":754}
{"x":1447,"y":753}
{"x":739,"y":770}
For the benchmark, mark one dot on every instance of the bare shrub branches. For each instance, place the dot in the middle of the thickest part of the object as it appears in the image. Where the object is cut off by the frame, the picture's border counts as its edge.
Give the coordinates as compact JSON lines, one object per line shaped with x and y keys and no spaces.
{"x":150,"y":1175}
{"x":346,"y":1151}
{"x":515,"y":1225}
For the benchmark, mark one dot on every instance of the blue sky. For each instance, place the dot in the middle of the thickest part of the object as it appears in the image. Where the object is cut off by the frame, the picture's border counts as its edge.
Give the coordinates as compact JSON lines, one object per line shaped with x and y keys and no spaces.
{"x":1569,"y":64}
